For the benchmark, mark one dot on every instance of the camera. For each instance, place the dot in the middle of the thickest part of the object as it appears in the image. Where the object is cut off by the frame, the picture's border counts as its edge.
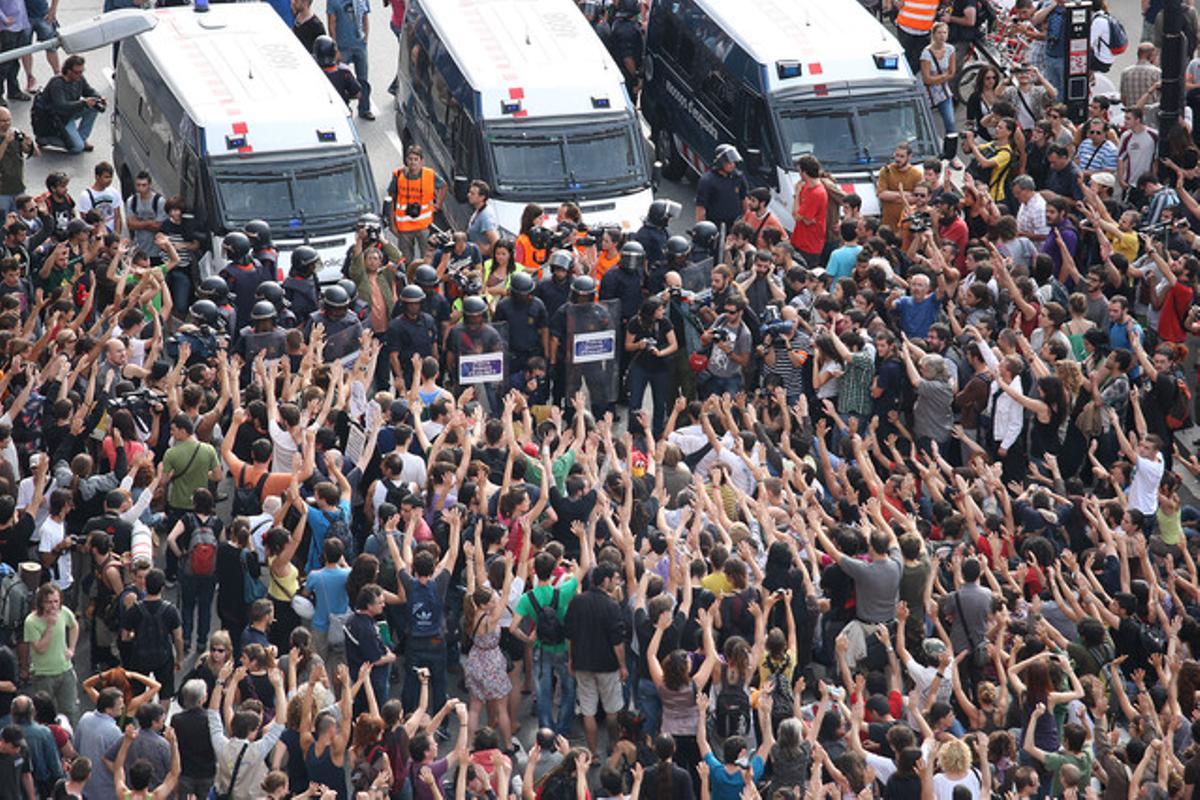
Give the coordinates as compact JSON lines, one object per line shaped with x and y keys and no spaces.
{"x":674,"y":292}
{"x":721,"y":335}
{"x":702,"y":299}
{"x":649,"y":341}
{"x":918,"y":222}
{"x":18,"y":137}
{"x":141,"y":403}
{"x":441,"y":239}
{"x":101,"y":105}
{"x":413,"y":209}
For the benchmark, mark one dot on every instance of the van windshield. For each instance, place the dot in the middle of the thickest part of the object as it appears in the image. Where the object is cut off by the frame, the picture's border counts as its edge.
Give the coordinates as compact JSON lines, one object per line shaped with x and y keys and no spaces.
{"x":848,"y":136}
{"x":299,"y":196}
{"x":583,"y":160}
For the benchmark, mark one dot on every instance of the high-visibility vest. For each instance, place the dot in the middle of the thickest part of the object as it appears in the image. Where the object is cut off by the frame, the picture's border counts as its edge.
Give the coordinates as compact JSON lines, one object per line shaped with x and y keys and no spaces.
{"x":530,"y":258}
{"x":603,"y":264}
{"x":413,"y":190}
{"x":917,"y":15}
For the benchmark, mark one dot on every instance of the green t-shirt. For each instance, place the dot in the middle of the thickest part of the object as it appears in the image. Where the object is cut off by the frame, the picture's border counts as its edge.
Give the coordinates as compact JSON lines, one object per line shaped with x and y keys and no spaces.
{"x":558,"y":472}
{"x":54,"y":661}
{"x":1054,"y":763}
{"x":566,"y":590}
{"x":185,"y":483}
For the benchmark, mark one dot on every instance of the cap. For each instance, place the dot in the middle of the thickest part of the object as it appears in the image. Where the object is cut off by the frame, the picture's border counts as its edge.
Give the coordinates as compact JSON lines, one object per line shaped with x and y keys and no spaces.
{"x":1105,"y":179}
{"x":31,"y":568}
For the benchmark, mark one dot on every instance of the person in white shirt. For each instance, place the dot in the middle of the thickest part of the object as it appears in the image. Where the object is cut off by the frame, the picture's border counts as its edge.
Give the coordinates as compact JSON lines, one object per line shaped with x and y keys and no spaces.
{"x":102,"y":197}
{"x":1008,"y":415}
{"x":1146,"y":456}
{"x":54,"y":546}
{"x":1031,"y":217}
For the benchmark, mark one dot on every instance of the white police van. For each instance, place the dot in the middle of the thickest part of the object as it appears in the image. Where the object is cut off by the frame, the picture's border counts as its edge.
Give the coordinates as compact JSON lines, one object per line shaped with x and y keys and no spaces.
{"x":522,"y":94}
{"x":228,"y":110}
{"x":780,"y":79}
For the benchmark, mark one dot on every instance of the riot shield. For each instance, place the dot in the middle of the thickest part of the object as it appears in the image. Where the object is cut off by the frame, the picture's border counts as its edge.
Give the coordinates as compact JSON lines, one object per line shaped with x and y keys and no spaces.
{"x":342,"y":339}
{"x":593,"y":358}
{"x":697,"y":277}
{"x":481,"y":361}
{"x":253,"y":342}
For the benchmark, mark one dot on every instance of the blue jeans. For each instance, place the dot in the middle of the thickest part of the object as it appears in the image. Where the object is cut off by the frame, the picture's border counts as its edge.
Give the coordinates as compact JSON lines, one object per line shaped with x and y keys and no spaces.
{"x":357,"y":58}
{"x":76,"y":130}
{"x":197,"y":592}
{"x":719,"y":386}
{"x":179,"y":282}
{"x":658,"y":379}
{"x":428,"y":652}
{"x":547,"y":667}
{"x":1053,"y":71}
{"x":946,"y":109}
{"x":650,"y":704}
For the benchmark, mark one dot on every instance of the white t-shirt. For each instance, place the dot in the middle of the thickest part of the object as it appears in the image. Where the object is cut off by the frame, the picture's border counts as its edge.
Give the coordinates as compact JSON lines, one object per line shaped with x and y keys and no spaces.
{"x":1143,"y":489}
{"x":943,"y":787}
{"x":260,"y":525}
{"x":51,"y":533}
{"x":285,"y":448}
{"x":104,"y":201}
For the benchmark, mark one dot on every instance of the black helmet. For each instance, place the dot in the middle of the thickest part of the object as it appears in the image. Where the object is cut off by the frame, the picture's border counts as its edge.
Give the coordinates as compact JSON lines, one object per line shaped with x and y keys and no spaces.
{"x":272,"y":292}
{"x":474,"y":306}
{"x":726,"y":153}
{"x":412,"y":294}
{"x":425,"y":276}
{"x":237,"y":247}
{"x":350,"y":288}
{"x":628,"y":8}
{"x":307,"y":259}
{"x":521,"y":283}
{"x":704,"y":235}
{"x":213,"y":288}
{"x":263,"y":309}
{"x":583,"y":285}
{"x":633,"y":256}
{"x":259,"y":232}
{"x":661,"y":212}
{"x":679,"y":246}
{"x":204,"y":312}
{"x":559,"y":259}
{"x":540,"y":237}
{"x":325,"y":51}
{"x":335,"y":297}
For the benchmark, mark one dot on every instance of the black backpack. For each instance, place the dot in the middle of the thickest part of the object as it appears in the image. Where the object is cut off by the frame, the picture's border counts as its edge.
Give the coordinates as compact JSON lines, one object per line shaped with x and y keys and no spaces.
{"x":782,"y":694}
{"x":732,"y":715}
{"x":394,"y":493}
{"x":340,"y":529}
{"x":550,"y":629}
{"x":247,"y":500}
{"x":152,"y":639}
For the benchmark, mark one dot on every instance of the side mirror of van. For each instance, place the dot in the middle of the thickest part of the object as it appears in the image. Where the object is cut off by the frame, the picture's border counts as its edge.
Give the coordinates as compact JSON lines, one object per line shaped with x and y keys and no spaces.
{"x":461,"y":184}
{"x":754,"y":161}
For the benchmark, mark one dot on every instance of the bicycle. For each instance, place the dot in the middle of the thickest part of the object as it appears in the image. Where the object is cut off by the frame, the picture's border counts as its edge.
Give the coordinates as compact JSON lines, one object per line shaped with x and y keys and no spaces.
{"x":1003,"y":46}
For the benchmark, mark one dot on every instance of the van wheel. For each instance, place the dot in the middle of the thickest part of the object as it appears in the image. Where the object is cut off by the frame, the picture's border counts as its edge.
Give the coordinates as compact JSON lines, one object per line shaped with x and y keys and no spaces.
{"x":673,"y":166}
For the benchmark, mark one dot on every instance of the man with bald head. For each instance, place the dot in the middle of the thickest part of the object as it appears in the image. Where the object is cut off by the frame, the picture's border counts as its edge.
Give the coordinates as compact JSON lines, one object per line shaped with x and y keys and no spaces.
{"x":15,"y":147}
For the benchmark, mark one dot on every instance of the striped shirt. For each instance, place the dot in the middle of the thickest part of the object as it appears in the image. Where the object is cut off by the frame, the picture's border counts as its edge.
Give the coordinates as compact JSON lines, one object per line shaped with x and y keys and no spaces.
{"x":1093,"y":159}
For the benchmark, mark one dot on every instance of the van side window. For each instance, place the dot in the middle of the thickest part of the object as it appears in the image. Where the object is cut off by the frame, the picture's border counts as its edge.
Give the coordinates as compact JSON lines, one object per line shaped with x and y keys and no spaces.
{"x":464,"y":143}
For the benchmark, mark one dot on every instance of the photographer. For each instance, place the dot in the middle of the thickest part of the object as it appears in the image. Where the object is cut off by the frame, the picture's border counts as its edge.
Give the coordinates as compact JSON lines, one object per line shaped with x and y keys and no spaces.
{"x":730,"y":341}
{"x":650,"y":339}
{"x":15,"y":147}
{"x":457,"y":260}
{"x":414,"y":196}
{"x":783,"y":352}
{"x":65,"y":111}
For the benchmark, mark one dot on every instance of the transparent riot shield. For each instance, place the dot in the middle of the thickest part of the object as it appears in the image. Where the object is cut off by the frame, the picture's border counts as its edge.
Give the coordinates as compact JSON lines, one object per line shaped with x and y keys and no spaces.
{"x":697,"y":276}
{"x":593,"y":356}
{"x":342,"y":339}
{"x":481,"y":360}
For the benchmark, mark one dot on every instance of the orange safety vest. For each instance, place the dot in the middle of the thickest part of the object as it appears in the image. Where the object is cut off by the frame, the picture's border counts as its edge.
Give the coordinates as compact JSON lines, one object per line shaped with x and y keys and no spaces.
{"x":413,"y":190}
{"x":529,"y":258}
{"x":603,"y":264}
{"x":917,"y":15}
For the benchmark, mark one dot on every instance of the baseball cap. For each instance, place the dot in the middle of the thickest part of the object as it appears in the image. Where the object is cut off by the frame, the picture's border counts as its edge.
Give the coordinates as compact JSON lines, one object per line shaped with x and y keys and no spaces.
{"x":1105,"y":179}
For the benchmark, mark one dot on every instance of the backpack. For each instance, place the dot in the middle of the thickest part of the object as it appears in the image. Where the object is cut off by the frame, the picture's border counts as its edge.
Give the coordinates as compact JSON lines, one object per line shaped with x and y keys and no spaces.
{"x":339,"y":529}
{"x":152,"y":640}
{"x":732,"y":715}
{"x":1179,"y":415}
{"x":363,"y":776}
{"x":16,"y":600}
{"x":252,"y":587}
{"x":42,"y":119}
{"x":550,"y":629}
{"x":247,"y":500}
{"x":424,"y":610}
{"x":394,"y":493}
{"x":1118,"y":40}
{"x":387,"y":570}
{"x":201,"y":561}
{"x":782,"y":696}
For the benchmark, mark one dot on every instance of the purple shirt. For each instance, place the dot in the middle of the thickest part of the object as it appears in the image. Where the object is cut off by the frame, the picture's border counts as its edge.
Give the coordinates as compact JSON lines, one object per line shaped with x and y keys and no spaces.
{"x":14,"y":10}
{"x":1050,"y":247}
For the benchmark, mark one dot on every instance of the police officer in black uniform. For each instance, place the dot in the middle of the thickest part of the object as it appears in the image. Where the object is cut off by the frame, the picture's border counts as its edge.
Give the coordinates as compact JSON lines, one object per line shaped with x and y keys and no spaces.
{"x":436,"y":304}
{"x":589,"y":317}
{"x":412,"y":332}
{"x":243,"y":275}
{"x":201,"y":332}
{"x":594,"y":11}
{"x":554,"y":290}
{"x":721,"y":191}
{"x":679,"y":249}
{"x":582,"y":290}
{"x":627,"y":44}
{"x":653,"y":235}
{"x":624,"y":285}
{"x":274,"y":294}
{"x":706,"y":238}
{"x":300,"y":286}
{"x":343,"y":80}
{"x":216,"y":290}
{"x":261,"y":335}
{"x":474,"y":336}
{"x":358,"y":307}
{"x":262,"y":249}
{"x":342,"y":329}
{"x":526,"y":316}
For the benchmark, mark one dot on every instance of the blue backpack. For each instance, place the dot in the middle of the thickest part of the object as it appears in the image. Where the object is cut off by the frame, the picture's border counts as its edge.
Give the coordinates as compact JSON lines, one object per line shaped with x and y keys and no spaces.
{"x":424,"y":610}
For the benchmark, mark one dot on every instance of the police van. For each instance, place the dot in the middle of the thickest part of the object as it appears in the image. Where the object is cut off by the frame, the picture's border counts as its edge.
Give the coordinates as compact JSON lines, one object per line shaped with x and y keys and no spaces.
{"x":780,"y":79}
{"x":524,"y":96}
{"x":226,"y":109}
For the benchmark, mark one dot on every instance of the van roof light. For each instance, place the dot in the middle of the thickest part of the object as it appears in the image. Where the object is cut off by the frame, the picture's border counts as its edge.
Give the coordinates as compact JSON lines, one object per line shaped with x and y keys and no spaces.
{"x":326,"y":136}
{"x":510,"y":106}
{"x":601,"y":102}
{"x":235,"y":142}
{"x":887,"y":61}
{"x":788,"y":69}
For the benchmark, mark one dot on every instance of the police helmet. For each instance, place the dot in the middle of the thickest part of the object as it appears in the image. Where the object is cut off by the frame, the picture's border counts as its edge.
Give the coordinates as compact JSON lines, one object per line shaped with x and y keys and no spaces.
{"x":259,"y":232}
{"x":305,"y":261}
{"x":412,"y":294}
{"x":705,"y":234}
{"x":214,"y":288}
{"x":633,"y":256}
{"x":679,"y":246}
{"x":540,"y":237}
{"x":559,"y":259}
{"x":726,"y":153}
{"x":272,"y":292}
{"x":350,"y":288}
{"x":263,"y":309}
{"x":335,"y":297}
{"x":661,"y":212}
{"x":583,"y":285}
{"x":425,"y":276}
{"x":325,"y":51}
{"x":521,"y":283}
{"x":628,"y":8}
{"x":237,"y":247}
{"x":204,"y":312}
{"x":474,"y":306}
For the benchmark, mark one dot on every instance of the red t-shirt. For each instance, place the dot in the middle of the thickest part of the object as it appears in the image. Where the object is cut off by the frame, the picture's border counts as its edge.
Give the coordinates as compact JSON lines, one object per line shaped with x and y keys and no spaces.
{"x":956,"y":232}
{"x":812,"y":203}
{"x":1174,"y":311}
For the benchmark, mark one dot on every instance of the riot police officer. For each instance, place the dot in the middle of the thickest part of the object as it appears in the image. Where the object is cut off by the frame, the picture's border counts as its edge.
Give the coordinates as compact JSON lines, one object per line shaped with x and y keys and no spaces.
{"x":679,"y":248}
{"x":526,"y":317}
{"x":553,"y":291}
{"x":625,"y":284}
{"x":580,"y":316}
{"x":412,"y":332}
{"x":344,"y":83}
{"x":215,"y":289}
{"x":722,"y":190}
{"x":342,"y":329}
{"x":261,"y":335}
{"x":474,"y":336}
{"x":653,"y":235}
{"x":627,"y":45}
{"x":262,"y":249}
{"x":705,"y":241}
{"x":436,"y":304}
{"x":300,"y":286}
{"x":243,"y":275}
{"x":201,"y":332}
{"x":274,"y":294}
{"x":358,"y":307}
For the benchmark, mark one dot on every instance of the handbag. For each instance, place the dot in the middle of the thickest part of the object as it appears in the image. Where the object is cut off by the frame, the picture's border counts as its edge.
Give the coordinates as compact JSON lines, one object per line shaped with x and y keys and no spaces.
{"x":698,"y":362}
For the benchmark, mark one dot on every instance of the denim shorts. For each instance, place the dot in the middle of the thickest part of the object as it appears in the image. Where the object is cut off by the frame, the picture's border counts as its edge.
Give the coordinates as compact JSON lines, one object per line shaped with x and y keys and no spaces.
{"x":44,"y":29}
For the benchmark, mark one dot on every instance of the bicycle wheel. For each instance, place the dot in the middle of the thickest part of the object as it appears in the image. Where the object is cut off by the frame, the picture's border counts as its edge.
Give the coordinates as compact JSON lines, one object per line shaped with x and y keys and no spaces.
{"x":963,"y":83}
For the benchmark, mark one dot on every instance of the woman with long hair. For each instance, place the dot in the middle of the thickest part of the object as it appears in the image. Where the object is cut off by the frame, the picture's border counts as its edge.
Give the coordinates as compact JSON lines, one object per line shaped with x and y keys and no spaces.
{"x":1049,"y":410}
{"x":486,"y":667}
{"x":1033,"y":681}
{"x":1078,"y":325}
{"x":325,"y":739}
{"x":370,"y":765}
{"x":791,"y":757}
{"x":126,"y":680}
{"x":650,"y":341}
{"x":208,"y":665}
{"x":525,"y":252}
{"x":937,"y":72}
{"x":283,"y":578}
{"x":983,"y":98}
{"x":497,"y":270}
{"x":677,"y":687}
{"x":238,"y":580}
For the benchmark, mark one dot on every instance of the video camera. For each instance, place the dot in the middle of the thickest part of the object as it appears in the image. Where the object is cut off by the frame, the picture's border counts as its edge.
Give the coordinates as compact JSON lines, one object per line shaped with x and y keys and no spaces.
{"x":441,"y":239}
{"x":141,"y":403}
{"x":772,"y":324}
{"x":721,"y":335}
{"x":919,"y":222}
